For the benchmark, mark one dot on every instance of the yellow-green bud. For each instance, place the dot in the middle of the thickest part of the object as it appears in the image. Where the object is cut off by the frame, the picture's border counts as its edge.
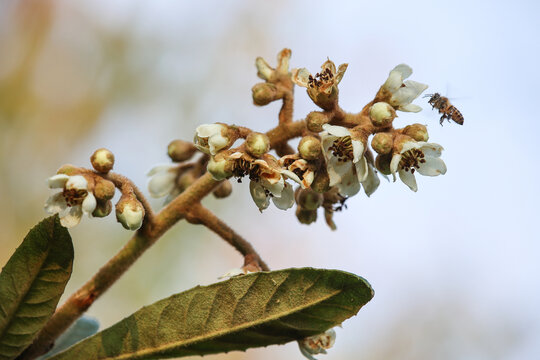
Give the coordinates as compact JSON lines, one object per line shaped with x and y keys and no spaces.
{"x":382,"y":163}
{"x":382,"y":114}
{"x":315,"y":120}
{"x":103,"y":208}
{"x":223,"y":190}
{"x":218,"y":168}
{"x":102,"y":160}
{"x":309,"y":148}
{"x":306,"y":216}
{"x":180,"y":150}
{"x":264,"y":93}
{"x":257,"y":144}
{"x":104,"y":189}
{"x":382,"y":143}
{"x":129,"y":213}
{"x":417,"y":131}
{"x":309,"y":199}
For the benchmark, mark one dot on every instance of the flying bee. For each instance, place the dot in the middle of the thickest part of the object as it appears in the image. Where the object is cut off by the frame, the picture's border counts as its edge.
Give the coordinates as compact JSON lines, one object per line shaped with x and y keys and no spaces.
{"x":447,"y":110}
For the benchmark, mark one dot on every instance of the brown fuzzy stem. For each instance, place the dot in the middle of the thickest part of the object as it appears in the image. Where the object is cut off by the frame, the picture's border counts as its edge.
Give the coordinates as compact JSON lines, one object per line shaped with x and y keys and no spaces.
{"x":202,"y":215}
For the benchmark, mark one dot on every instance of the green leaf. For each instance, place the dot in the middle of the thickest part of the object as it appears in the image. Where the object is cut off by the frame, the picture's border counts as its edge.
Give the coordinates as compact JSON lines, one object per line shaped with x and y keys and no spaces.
{"x":31,"y":284}
{"x":253,"y":310}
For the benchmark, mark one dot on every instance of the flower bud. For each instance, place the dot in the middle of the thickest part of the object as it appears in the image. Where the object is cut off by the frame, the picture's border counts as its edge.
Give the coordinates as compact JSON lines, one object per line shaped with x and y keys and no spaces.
{"x":264,"y":93}
{"x":309,"y":199}
{"x":309,"y":148}
{"x":382,"y":114}
{"x":129,"y":213}
{"x":68,"y":169}
{"x":305,"y":216}
{"x":315,"y":120}
{"x":102,"y":160}
{"x":211,"y":138}
{"x":257,"y":144}
{"x":185,"y":180}
{"x":382,"y":163}
{"x":104,"y":189}
{"x":103,"y":208}
{"x":180,"y":150}
{"x":321,"y":182}
{"x":382,"y":143}
{"x":223,"y":190}
{"x":218,"y":168}
{"x":417,"y":131}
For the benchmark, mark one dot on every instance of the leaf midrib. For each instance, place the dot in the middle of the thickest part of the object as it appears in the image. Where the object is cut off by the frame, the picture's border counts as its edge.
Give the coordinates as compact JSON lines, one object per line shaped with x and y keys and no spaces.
{"x":230,"y":330}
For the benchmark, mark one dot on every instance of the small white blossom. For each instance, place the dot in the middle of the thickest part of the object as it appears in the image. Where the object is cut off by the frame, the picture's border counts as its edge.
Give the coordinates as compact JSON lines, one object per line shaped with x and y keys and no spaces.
{"x":317,"y":344}
{"x":163,"y":180}
{"x":403,"y":93}
{"x":210,"y":138}
{"x":345,"y":160}
{"x":74,"y":200}
{"x":417,"y":155}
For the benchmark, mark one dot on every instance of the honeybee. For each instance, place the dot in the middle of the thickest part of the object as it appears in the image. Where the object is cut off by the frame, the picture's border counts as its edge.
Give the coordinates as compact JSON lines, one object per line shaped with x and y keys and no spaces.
{"x":447,"y":110}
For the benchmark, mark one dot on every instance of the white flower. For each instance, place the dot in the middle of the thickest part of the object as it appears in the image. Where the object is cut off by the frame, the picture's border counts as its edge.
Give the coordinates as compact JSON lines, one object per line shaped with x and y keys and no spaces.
{"x":210,"y":138}
{"x":421,"y":156}
{"x":345,"y":160}
{"x":74,"y":200}
{"x":403,"y":93}
{"x":317,"y":344}
{"x":323,"y":81}
{"x":281,"y":193}
{"x":163,"y":180}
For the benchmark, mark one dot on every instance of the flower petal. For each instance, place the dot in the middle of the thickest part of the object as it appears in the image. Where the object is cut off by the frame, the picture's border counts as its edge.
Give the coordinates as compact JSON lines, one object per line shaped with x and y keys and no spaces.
{"x":207,"y":130}
{"x":264,"y":71}
{"x":73,"y":217}
{"x":396,"y":158}
{"x":361,"y":169}
{"x":408,"y":179}
{"x":55,"y":203}
{"x":433,"y":166}
{"x":286,"y":200}
{"x":217,"y":142}
{"x":432,"y":149}
{"x":283,"y":60}
{"x":57,"y":181}
{"x":341,"y":71}
{"x":77,"y":182}
{"x":371,"y":183}
{"x":161,"y":184}
{"x":358,"y":150}
{"x":258,"y":195}
{"x":292,"y":176}
{"x":336,"y":130}
{"x":349,"y":184}
{"x":410,"y":108}
{"x":301,"y":77}
{"x":89,"y":204}
{"x":161,"y":168}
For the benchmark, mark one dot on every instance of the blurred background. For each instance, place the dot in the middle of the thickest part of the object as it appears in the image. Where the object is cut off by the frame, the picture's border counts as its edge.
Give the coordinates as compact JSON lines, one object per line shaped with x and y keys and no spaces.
{"x":455,"y":267}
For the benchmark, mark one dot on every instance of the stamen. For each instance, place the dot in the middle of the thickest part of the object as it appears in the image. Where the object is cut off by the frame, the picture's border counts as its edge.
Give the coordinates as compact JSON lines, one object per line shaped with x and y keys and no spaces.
{"x":74,"y":197}
{"x":411,"y":160}
{"x":342,"y":149}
